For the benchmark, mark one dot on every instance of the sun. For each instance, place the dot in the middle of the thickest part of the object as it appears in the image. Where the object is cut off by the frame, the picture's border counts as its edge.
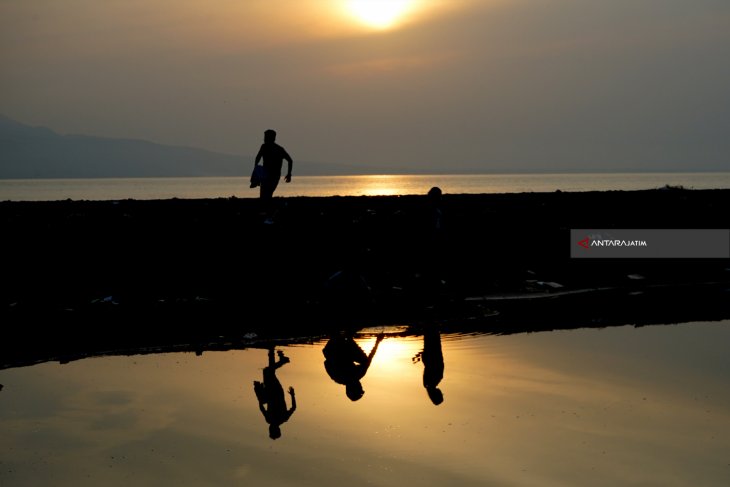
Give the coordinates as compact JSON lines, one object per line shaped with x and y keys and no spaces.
{"x":379,"y":14}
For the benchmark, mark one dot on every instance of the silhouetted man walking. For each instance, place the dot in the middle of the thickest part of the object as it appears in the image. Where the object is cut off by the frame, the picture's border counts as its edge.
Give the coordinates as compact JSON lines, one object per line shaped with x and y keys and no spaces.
{"x":274,"y":156}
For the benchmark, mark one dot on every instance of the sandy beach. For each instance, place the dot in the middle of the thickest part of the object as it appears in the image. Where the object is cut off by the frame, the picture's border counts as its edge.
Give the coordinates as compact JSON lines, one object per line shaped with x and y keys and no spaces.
{"x":106,"y":274}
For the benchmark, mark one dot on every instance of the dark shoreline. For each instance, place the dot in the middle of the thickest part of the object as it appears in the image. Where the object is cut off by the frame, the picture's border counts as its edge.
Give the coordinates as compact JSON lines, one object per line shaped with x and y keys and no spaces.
{"x":84,"y":276}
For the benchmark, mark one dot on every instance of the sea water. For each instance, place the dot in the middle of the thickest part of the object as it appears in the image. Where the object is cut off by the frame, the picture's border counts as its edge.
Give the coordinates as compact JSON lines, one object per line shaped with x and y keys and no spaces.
{"x":368,"y":185}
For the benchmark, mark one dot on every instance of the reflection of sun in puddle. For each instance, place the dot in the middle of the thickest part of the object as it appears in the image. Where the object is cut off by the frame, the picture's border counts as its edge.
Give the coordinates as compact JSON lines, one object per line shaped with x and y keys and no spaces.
{"x":393,"y":353}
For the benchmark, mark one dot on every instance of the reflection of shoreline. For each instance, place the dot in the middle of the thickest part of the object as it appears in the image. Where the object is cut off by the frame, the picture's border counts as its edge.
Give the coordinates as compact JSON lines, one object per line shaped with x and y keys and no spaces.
{"x":72,"y":353}
{"x":129,"y":275}
{"x":657,"y":306}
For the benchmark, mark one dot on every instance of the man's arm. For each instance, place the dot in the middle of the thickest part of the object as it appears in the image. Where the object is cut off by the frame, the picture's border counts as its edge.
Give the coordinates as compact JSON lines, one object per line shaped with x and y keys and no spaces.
{"x":375,"y":349}
{"x":290,"y":163}
{"x":293,"y":401}
{"x":259,"y":156}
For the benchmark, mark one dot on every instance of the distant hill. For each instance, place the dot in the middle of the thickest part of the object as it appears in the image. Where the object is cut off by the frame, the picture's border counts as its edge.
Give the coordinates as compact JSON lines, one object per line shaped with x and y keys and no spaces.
{"x":37,"y":152}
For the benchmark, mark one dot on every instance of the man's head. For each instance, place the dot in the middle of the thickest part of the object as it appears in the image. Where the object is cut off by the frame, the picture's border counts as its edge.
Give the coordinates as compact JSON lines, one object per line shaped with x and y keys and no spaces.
{"x":270,"y":135}
{"x":434,"y":194}
{"x":435,"y":394}
{"x":354,"y":390}
{"x":274,"y":431}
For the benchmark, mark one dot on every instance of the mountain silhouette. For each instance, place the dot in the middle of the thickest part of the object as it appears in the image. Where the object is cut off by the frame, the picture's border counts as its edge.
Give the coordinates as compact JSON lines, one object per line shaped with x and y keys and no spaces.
{"x":28,"y":152}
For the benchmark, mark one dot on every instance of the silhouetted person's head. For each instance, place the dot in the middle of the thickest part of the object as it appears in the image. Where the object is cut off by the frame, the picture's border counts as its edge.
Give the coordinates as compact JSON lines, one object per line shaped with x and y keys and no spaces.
{"x":434,"y":193}
{"x":269,"y":136}
{"x":437,"y":397}
{"x":354,"y":390}
{"x":274,"y":431}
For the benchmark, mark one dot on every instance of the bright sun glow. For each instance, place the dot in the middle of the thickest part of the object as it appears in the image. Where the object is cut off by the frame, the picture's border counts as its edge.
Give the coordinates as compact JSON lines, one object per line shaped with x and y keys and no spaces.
{"x":381,"y":185}
{"x":379,"y":14}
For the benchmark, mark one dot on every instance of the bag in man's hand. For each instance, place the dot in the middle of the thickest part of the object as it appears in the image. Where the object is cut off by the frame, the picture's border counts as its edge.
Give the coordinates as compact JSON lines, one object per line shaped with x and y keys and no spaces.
{"x":257,"y":176}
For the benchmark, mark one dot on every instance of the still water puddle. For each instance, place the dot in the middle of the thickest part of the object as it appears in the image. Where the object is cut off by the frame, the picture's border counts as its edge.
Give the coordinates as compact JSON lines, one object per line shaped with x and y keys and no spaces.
{"x":618,"y":406}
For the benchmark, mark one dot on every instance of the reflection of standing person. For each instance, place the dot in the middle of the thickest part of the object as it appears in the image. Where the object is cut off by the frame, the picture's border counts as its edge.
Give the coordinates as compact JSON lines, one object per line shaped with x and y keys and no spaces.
{"x":274,"y":156}
{"x":270,"y":394}
{"x":433,"y":364}
{"x":346,"y":363}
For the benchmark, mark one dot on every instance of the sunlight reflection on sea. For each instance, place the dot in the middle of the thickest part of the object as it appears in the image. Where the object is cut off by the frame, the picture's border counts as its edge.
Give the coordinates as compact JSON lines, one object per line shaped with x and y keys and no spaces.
{"x":370,"y":185}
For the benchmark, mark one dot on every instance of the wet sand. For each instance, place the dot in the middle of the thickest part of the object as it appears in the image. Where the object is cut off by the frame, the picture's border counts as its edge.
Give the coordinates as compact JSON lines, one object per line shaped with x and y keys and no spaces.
{"x":91,"y":275}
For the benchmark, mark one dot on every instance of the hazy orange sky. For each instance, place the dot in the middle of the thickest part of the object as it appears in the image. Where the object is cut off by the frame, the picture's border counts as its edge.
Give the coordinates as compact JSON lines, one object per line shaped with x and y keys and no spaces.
{"x":441,"y":85}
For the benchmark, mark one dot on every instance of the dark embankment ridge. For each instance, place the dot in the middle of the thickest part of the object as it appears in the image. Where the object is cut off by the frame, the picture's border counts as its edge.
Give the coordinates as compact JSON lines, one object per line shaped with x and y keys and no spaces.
{"x":85,"y":277}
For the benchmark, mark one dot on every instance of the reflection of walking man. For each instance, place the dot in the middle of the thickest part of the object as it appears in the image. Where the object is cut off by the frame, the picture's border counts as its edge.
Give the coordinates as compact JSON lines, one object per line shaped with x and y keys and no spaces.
{"x":346,"y":363}
{"x":270,"y":394}
{"x":274,"y":156}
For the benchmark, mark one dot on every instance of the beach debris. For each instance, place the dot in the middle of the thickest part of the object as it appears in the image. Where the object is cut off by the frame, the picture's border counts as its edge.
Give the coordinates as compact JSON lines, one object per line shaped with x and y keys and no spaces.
{"x":349,"y":280}
{"x":383,"y":330}
{"x":550,"y":284}
{"x":481,"y":312}
{"x":636,"y":277}
{"x":108,"y":299}
{"x":200,"y":299}
{"x":250,"y":336}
